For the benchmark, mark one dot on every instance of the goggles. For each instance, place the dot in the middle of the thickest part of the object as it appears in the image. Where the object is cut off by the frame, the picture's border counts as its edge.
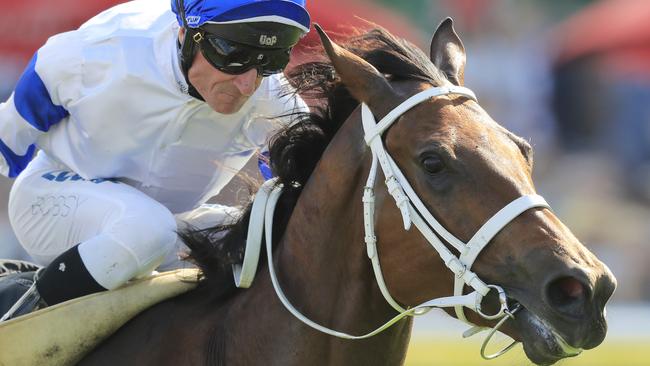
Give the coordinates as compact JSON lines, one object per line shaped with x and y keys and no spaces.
{"x":237,"y":58}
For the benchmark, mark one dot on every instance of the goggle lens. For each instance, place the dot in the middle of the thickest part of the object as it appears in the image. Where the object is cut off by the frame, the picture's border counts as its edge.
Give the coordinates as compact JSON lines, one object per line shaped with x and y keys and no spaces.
{"x":236,"y":58}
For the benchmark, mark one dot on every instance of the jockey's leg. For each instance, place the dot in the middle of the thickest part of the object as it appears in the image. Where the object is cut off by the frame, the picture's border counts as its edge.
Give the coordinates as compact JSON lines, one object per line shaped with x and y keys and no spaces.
{"x":121,"y":233}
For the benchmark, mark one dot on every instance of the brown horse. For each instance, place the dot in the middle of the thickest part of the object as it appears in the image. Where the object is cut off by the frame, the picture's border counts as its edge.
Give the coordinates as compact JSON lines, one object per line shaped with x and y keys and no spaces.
{"x":463,"y":166}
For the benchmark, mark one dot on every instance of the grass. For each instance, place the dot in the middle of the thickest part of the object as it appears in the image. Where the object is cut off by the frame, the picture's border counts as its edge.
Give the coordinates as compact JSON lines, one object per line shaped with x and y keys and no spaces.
{"x":440,"y":352}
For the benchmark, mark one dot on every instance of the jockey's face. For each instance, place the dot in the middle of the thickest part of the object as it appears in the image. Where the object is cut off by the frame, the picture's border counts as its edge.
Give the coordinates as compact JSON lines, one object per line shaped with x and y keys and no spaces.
{"x":224,"y":93}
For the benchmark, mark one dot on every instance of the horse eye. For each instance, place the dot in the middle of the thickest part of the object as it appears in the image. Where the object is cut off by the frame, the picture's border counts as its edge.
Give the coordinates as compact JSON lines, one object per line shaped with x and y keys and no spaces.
{"x":432,"y":164}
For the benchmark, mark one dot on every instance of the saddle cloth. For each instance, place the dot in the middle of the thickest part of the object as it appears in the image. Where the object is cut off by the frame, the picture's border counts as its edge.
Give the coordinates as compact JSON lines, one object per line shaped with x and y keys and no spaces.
{"x":62,"y":334}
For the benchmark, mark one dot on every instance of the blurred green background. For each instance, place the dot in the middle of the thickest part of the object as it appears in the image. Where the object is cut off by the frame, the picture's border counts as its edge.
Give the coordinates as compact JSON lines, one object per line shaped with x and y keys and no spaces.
{"x":432,"y":352}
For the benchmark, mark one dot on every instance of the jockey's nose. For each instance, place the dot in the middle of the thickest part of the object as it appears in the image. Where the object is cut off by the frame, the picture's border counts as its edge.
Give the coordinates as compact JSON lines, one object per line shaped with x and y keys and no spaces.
{"x":246,"y":83}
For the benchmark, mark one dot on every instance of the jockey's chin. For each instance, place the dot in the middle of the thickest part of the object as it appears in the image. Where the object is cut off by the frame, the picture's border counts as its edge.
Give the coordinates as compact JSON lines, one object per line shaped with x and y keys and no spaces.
{"x":224,"y":93}
{"x":225,"y":102}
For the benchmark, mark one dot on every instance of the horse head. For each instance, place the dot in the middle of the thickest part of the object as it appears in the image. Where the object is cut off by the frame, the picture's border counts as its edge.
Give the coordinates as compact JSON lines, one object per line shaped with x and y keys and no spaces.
{"x":465,"y":168}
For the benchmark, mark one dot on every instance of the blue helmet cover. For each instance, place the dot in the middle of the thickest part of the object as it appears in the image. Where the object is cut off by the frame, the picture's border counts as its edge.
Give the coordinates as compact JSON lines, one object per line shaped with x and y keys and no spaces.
{"x":198,"y":12}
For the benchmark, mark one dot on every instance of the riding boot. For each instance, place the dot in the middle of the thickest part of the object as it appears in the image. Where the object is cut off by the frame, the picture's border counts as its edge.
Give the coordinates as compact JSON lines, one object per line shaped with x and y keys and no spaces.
{"x":66,"y":278}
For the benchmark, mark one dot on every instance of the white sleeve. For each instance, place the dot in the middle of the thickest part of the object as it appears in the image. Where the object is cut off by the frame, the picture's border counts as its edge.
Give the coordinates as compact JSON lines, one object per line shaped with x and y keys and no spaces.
{"x":37,"y":102}
{"x":207,"y":215}
{"x":17,"y":137}
{"x":278,"y":108}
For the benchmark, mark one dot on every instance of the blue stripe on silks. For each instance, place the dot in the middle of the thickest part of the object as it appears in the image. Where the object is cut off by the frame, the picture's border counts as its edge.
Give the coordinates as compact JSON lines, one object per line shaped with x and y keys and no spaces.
{"x":17,"y":163}
{"x":33,"y":101}
{"x":262,"y":164}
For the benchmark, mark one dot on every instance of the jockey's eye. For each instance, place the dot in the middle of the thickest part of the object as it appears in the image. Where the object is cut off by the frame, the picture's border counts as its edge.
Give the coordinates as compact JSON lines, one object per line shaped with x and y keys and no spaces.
{"x":432,"y":164}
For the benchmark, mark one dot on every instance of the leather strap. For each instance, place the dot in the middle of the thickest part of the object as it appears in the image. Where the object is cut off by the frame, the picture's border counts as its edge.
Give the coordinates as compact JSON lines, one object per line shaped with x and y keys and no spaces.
{"x":411,"y":102}
{"x":245,"y":273}
{"x":488,"y":231}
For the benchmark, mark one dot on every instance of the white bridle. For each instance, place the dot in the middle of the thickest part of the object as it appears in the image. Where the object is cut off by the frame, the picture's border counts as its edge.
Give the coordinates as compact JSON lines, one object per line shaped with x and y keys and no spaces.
{"x":413,"y":211}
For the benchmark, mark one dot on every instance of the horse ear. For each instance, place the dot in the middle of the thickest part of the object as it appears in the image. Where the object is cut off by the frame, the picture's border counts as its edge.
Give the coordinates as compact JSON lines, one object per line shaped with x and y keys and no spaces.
{"x":363,"y":80}
{"x":448,"y":53}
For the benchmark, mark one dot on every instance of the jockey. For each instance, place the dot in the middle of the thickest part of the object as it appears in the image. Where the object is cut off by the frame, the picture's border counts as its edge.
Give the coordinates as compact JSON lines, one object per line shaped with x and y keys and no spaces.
{"x":140,"y":116}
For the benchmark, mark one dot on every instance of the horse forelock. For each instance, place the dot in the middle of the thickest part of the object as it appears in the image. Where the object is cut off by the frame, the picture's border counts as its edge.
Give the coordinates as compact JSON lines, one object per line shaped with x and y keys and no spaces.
{"x":295,"y":150}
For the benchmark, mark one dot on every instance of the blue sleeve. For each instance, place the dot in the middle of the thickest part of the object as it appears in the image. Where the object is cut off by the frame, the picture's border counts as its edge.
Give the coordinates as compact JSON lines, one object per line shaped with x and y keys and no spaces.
{"x":28,"y":113}
{"x":33,"y":101}
{"x":17,"y":163}
{"x":263,"y":165}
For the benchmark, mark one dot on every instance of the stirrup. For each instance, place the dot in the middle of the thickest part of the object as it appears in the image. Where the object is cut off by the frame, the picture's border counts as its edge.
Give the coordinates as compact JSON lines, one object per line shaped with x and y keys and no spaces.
{"x":30,"y":301}
{"x":9,"y":266}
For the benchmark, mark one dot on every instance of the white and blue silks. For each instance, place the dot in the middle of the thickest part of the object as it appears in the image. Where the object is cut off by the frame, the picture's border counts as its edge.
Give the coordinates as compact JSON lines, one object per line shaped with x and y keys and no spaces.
{"x":109,"y":100}
{"x":125,"y":150}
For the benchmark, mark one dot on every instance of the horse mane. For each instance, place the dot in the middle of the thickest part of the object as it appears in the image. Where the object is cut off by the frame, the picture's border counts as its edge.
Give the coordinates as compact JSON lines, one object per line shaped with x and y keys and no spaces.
{"x":295,"y":150}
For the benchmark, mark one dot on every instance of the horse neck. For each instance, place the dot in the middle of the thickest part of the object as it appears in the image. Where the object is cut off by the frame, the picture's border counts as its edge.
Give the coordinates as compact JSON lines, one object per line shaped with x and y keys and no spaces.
{"x":322,"y":261}
{"x":322,"y":268}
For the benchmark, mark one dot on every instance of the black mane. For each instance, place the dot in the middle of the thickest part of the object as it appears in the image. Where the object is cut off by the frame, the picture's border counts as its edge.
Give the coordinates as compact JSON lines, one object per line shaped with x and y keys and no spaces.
{"x":295,"y":150}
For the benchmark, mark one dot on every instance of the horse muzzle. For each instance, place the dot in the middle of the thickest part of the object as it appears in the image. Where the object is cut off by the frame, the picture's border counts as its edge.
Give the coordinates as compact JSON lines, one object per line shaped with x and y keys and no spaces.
{"x":569,"y":318}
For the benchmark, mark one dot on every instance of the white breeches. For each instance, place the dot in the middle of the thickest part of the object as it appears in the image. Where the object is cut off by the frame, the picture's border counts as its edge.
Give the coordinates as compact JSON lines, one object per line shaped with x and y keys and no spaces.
{"x":122,"y":232}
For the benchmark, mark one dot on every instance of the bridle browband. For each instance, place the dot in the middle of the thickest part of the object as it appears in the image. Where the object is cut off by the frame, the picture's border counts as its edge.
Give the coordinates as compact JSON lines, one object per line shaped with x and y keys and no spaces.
{"x":413,"y":211}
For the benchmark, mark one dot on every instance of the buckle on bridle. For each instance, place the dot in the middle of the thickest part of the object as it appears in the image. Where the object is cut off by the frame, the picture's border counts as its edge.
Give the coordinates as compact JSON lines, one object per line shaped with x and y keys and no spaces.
{"x":503,"y":300}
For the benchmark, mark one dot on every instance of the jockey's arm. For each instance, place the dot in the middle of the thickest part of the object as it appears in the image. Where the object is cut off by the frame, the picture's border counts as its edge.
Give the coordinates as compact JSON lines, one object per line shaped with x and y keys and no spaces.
{"x":37,"y":103}
{"x":28,"y":113}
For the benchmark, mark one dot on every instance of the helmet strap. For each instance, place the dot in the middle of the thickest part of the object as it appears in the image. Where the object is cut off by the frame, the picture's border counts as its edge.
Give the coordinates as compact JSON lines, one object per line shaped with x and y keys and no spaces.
{"x":187,"y":50}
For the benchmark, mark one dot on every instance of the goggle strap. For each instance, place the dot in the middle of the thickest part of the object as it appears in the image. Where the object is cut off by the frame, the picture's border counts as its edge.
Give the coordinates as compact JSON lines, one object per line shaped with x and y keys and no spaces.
{"x":198,"y":37}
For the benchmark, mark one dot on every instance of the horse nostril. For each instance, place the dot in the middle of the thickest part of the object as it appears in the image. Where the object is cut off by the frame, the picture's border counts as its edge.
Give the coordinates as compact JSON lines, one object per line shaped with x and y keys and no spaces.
{"x":604,"y":288}
{"x":567,"y":295}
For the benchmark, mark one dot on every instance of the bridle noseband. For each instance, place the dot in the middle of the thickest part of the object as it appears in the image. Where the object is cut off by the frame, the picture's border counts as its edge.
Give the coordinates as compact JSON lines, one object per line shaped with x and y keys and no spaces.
{"x":413,"y":211}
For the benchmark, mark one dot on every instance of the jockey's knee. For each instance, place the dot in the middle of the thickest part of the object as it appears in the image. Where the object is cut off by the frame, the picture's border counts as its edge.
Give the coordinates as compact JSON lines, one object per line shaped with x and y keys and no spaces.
{"x":150,"y":235}
{"x":131,"y":246}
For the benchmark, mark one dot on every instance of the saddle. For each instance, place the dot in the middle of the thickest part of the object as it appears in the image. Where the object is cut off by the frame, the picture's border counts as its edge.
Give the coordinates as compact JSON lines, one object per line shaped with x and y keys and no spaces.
{"x":62,"y":334}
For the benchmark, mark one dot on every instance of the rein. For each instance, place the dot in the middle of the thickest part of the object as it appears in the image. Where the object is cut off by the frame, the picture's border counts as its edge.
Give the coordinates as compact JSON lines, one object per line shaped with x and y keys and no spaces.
{"x":413,"y":211}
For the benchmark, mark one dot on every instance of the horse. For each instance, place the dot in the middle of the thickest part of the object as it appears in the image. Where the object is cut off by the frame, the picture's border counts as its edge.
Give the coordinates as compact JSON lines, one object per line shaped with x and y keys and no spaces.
{"x":463,"y":166}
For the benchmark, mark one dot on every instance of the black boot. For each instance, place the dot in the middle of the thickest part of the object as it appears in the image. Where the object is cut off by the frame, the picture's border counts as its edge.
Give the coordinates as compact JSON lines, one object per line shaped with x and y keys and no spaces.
{"x":64,"y":279}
